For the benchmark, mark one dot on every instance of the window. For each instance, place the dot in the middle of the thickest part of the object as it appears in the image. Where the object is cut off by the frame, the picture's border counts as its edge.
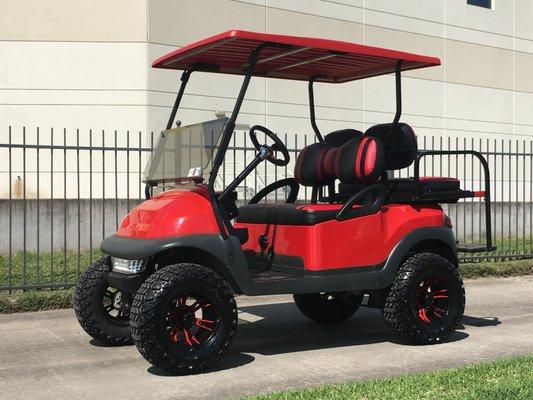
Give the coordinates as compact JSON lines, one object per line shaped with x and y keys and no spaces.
{"x":480,"y":3}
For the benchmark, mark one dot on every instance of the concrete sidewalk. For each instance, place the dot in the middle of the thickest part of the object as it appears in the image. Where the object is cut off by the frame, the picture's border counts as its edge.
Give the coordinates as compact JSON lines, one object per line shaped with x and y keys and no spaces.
{"x":46,"y":355}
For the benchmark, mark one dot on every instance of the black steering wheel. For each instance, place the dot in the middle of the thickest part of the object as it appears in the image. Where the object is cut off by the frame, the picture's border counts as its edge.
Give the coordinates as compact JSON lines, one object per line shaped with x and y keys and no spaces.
{"x":277,"y":146}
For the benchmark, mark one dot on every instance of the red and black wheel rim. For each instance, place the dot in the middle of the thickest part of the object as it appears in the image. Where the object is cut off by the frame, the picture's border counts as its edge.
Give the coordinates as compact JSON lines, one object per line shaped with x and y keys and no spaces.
{"x":192,"y":322}
{"x":432,"y":300}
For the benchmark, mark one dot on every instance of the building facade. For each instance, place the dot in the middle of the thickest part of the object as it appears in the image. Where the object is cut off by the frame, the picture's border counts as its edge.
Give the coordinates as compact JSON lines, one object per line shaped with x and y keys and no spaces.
{"x":86,"y":65}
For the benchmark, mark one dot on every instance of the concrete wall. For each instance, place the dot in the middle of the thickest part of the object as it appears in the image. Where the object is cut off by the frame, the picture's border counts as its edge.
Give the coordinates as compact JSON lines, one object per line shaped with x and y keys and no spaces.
{"x":509,"y":219}
{"x":49,"y":230}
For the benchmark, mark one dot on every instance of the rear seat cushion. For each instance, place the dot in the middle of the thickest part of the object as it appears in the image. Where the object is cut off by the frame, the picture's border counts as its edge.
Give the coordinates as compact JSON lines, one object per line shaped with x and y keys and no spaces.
{"x":309,"y":168}
{"x":427,"y":184}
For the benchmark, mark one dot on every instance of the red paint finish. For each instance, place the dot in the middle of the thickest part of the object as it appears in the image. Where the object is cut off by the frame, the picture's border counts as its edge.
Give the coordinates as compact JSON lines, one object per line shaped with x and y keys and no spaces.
{"x":370,"y":159}
{"x":362,"y":241}
{"x":300,"y":59}
{"x":177,"y":212}
{"x":360,"y":150}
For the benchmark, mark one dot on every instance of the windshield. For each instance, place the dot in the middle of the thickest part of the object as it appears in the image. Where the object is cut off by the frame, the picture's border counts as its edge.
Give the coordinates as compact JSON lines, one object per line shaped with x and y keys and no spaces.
{"x":184,"y":153}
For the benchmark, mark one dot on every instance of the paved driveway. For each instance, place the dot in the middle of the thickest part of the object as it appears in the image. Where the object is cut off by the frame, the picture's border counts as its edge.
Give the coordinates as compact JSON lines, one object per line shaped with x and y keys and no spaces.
{"x":46,"y":355}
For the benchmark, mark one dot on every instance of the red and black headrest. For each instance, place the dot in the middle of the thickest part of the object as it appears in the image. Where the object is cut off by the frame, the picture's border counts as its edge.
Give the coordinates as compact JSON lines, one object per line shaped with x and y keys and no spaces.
{"x":357,"y":161}
{"x":399,"y":144}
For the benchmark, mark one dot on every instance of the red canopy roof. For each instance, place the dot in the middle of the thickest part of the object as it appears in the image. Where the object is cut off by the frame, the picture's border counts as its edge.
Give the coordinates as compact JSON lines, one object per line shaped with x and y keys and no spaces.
{"x":297,"y":58}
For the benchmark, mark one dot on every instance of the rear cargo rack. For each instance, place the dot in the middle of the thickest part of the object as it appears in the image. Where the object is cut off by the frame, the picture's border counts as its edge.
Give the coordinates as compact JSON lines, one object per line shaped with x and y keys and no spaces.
{"x":467,"y":248}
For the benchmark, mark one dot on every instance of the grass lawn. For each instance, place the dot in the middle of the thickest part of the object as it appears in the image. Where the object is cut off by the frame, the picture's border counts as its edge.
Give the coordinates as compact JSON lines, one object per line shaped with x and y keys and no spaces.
{"x":45,"y":269}
{"x":506,"y":379}
{"x":514,"y":244}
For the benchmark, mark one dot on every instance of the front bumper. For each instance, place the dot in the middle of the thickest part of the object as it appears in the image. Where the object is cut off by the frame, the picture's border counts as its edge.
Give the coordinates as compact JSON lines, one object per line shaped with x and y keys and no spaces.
{"x":127,"y":283}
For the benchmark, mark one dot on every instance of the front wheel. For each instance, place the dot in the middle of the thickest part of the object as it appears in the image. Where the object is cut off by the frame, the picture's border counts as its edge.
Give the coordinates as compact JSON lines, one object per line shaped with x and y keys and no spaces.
{"x":184,"y":318}
{"x":426,"y":300}
{"x":102,"y":311}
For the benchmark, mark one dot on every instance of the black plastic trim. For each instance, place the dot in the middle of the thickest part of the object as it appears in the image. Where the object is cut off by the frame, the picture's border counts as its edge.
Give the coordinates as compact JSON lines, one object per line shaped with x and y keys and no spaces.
{"x":407,"y":243}
{"x":348,"y":212}
{"x":291,"y":198}
{"x":137,"y":249}
{"x":125,"y":282}
{"x":236,"y":271}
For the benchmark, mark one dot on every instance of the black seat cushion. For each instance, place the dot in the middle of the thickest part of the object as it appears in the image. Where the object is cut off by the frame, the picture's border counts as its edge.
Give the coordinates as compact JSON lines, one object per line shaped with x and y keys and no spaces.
{"x":426,"y":185}
{"x":338,"y":138}
{"x":286,"y":214}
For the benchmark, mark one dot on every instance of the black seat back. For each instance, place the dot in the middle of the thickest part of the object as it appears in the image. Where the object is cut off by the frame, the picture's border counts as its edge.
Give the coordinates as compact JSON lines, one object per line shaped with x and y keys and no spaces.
{"x":399,"y":144}
{"x":309,"y":167}
{"x":338,"y":138}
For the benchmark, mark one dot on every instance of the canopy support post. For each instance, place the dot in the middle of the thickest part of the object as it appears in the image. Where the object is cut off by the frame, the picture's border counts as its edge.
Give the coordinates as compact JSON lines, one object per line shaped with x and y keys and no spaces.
{"x":184,"y":79}
{"x":230,"y":125}
{"x":398,"y":75}
{"x":312,"y":107}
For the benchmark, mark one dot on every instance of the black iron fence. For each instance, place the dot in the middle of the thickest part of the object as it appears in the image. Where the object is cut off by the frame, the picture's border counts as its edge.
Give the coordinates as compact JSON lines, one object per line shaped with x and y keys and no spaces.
{"x":61,"y":192}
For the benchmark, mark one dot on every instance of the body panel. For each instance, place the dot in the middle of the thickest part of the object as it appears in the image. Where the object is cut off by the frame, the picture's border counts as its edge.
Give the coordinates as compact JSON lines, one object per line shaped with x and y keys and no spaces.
{"x":358,"y":242}
{"x":177,"y":212}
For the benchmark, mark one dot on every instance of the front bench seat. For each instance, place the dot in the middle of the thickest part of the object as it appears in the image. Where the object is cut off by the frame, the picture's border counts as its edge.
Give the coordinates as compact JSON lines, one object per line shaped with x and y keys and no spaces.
{"x":288,"y":214}
{"x":360,"y":160}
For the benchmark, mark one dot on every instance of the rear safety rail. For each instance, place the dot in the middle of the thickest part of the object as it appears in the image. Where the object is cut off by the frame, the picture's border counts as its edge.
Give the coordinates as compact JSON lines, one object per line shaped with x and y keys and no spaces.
{"x":485,"y":194}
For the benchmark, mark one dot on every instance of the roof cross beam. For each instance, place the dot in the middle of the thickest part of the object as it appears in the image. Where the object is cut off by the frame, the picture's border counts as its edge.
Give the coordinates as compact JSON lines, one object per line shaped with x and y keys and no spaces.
{"x":280,"y":55}
{"x":309,"y":61}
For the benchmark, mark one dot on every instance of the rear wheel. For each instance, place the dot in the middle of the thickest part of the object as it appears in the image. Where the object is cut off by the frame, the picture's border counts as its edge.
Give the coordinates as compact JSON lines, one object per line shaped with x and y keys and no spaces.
{"x":426,"y":300}
{"x":102,"y":311}
{"x":184,"y":318}
{"x":328,"y":307}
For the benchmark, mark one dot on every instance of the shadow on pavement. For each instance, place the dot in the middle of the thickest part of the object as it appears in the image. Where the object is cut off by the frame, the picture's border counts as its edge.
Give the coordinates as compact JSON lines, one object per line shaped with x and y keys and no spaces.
{"x":283,"y":329}
{"x":231,"y":360}
{"x":480,"y":322}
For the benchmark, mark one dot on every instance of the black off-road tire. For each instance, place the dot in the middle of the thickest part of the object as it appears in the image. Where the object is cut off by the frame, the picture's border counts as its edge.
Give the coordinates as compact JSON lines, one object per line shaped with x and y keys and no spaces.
{"x":89,"y":307}
{"x":399,"y":310}
{"x":328,"y":308}
{"x":152,"y":302}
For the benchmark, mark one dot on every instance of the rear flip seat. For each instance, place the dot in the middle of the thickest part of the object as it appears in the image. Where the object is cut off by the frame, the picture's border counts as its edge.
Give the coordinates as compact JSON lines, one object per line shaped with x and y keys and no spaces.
{"x":443,"y":189}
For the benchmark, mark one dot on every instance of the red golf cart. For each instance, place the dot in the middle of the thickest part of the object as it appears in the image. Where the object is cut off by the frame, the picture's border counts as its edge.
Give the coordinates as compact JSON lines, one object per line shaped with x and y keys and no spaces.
{"x":178,"y":259}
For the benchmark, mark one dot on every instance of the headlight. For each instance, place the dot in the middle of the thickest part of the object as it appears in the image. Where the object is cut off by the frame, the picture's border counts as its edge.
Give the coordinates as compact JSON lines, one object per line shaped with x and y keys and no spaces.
{"x":128,"y":266}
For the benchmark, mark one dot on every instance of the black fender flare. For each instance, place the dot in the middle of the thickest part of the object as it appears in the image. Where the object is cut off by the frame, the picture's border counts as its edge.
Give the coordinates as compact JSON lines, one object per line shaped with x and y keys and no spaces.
{"x":442,"y":235}
{"x":218,"y":249}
